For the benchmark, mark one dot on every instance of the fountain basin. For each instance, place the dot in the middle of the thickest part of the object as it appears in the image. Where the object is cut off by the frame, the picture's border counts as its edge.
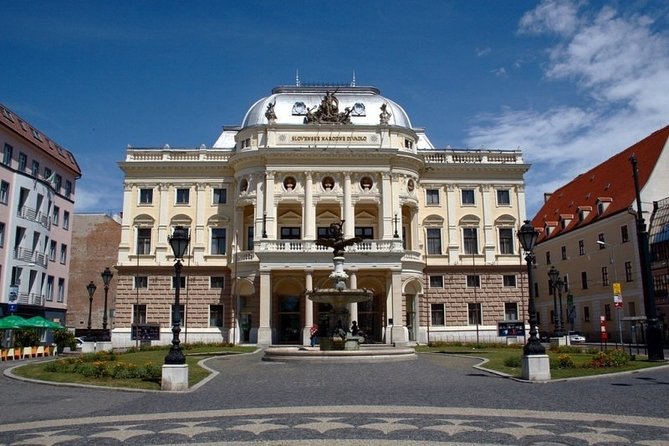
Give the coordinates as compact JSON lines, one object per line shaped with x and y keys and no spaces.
{"x":367,"y":353}
{"x":339,"y":298}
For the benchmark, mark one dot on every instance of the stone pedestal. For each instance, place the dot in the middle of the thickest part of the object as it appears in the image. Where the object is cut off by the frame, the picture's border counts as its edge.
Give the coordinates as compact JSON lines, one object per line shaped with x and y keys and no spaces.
{"x":175,"y":377}
{"x":88,"y":347}
{"x":536,"y":368}
{"x":558,"y":341}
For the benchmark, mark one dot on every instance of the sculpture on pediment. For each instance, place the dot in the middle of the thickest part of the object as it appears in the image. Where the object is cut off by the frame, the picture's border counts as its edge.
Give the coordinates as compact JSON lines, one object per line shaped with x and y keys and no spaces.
{"x":327,"y":112}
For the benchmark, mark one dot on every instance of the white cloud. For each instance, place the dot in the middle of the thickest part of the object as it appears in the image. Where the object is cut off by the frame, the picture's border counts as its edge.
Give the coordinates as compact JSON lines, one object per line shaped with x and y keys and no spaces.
{"x":620,"y":65}
{"x":500,"y":72}
{"x":480,"y":52}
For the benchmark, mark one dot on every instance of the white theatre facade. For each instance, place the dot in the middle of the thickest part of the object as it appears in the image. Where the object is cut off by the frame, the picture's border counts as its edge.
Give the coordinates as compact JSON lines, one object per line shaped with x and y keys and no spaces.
{"x":439,"y":249}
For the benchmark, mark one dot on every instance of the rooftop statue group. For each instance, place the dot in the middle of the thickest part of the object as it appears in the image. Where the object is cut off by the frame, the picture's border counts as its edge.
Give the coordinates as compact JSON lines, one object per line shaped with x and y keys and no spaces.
{"x":327,"y":112}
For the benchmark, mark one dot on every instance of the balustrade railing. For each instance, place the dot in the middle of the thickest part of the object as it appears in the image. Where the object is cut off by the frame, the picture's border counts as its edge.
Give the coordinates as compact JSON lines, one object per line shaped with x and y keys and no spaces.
{"x":25,"y":255}
{"x":33,"y":215}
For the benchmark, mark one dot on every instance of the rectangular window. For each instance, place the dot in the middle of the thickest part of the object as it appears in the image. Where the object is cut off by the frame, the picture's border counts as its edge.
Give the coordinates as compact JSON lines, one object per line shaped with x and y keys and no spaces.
{"x":474,"y":313}
{"x":503,"y":197}
{"x":141,"y":282}
{"x":49,"y":288}
{"x":61,"y":290}
{"x":584,"y":280}
{"x":624,"y":234}
{"x":66,"y":220}
{"x":563,"y":252}
{"x":220,"y":196}
{"x":23,"y":162}
{"x":63,"y":254}
{"x":216,"y":282}
{"x":68,"y":188}
{"x":505,"y":241}
{"x":432,"y":196}
{"x":436,"y":281}
{"x":628,"y":272}
{"x":145,"y":196}
{"x":7,"y":155}
{"x":216,"y":316}
{"x":2,"y":235}
{"x":183,"y":196}
{"x":143,"y":241}
{"x":631,"y":309}
{"x":605,"y":275}
{"x":364,"y":232}
{"x":34,"y":171}
{"x":52,"y":250}
{"x":139,"y":314}
{"x":470,"y":239}
{"x":600,"y":238}
{"x":249,"y":238}
{"x":473,"y":281}
{"x":56,"y":216}
{"x":607,"y":312}
{"x":581,"y":248}
{"x":468,"y":197}
{"x":57,"y":182}
{"x":548,"y":257}
{"x":509,"y":280}
{"x":586,"y":314}
{"x":510,"y":311}
{"x":433,"y":240}
{"x":182,"y":279}
{"x":218,"y":241}
{"x":437,"y":314}
{"x":291,"y":233}
{"x":4,"y":192}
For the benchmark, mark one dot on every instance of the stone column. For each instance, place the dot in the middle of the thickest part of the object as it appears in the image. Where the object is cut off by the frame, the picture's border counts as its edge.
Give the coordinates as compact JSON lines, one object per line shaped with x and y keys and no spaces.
{"x":386,"y":207}
{"x":260,"y":207}
{"x":264,"y":328}
{"x":488,"y":239}
{"x":353,"y":284}
{"x":398,"y":331}
{"x":269,"y":205}
{"x":308,"y":308}
{"x":348,"y":211}
{"x":309,"y":210}
{"x":454,"y":236}
{"x":161,"y":244}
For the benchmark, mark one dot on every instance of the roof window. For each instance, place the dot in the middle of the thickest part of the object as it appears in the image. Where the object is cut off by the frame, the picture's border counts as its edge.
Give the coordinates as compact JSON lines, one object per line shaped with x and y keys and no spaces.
{"x":603,"y":204}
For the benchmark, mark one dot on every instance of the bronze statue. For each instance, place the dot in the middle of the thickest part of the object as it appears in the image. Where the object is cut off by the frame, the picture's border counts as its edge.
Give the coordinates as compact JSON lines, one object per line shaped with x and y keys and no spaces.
{"x":336,"y":239}
{"x":270,"y":114}
{"x":328,"y":112}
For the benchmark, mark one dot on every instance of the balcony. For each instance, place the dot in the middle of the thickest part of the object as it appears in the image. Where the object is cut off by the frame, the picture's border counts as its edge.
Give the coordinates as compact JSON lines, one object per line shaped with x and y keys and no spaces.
{"x":31,"y":299}
{"x":27,"y":256}
{"x":366,"y":246}
{"x":33,"y":215}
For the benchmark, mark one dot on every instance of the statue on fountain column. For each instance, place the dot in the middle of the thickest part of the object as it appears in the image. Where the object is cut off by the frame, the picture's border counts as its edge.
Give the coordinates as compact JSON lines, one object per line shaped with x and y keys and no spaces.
{"x":336,"y":239}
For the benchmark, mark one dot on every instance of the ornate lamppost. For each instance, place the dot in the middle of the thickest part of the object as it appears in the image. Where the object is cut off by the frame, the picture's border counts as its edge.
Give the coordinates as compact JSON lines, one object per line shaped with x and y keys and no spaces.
{"x":106,"y":278}
{"x":179,"y":244}
{"x":396,"y":235}
{"x":556,"y":285}
{"x":91,"y":290}
{"x":528,"y":237}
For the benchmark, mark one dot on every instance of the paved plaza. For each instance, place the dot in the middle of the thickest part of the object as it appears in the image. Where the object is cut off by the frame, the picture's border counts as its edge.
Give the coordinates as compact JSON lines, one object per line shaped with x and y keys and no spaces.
{"x":434,"y":399}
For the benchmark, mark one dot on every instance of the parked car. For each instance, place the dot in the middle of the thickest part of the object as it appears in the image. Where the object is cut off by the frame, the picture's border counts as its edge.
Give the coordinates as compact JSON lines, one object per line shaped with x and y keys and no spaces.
{"x":575,"y":337}
{"x":79,"y":341}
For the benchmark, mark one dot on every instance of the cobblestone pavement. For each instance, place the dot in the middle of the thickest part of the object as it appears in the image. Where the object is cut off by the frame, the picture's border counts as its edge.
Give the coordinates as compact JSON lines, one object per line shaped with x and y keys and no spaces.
{"x":435,"y":399}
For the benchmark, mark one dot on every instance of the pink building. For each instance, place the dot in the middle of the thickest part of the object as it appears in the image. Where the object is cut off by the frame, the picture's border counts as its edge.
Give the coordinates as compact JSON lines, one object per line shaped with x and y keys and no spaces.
{"x":37,"y":184}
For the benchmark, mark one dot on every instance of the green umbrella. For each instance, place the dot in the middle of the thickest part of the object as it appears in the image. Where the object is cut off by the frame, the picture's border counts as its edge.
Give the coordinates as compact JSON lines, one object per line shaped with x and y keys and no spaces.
{"x":13,"y":321}
{"x":40,"y":322}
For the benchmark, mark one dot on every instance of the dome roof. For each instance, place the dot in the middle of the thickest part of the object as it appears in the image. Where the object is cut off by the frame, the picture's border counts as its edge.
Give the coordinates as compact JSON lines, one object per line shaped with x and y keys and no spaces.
{"x":291,"y":104}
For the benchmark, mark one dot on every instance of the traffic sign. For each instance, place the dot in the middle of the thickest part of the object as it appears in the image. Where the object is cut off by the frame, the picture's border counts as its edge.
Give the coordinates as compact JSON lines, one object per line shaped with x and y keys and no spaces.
{"x":617,"y":289}
{"x":12,"y":307}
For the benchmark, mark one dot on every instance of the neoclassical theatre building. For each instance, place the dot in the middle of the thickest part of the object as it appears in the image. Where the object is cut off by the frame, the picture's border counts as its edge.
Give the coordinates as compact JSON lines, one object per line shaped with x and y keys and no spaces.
{"x":438,"y":227}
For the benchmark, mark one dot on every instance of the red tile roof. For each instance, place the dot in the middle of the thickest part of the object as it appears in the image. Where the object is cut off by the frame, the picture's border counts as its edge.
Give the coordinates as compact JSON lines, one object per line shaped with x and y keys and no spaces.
{"x":23,"y":129}
{"x":610,"y":182}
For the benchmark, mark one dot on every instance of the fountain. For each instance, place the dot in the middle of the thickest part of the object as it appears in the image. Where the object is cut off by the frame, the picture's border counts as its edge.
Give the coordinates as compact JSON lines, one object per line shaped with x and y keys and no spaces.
{"x":340,"y":344}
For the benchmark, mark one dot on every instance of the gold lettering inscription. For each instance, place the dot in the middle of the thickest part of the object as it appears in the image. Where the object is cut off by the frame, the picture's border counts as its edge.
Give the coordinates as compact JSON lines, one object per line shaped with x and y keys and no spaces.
{"x":328,"y":138}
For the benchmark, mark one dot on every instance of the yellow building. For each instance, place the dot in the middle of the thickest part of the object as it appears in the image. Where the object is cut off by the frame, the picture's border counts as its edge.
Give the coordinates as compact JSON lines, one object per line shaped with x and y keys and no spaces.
{"x":439,"y":249}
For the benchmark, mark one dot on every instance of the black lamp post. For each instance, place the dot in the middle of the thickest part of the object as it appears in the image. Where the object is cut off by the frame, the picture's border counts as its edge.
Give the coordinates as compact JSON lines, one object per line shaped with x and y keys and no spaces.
{"x":528,"y":237}
{"x":264,"y":224}
{"x":653,"y":330}
{"x":556,"y":285}
{"x":106,"y":278}
{"x":91,"y":290}
{"x":561,"y":285}
{"x":397,"y":235}
{"x":179,"y":244}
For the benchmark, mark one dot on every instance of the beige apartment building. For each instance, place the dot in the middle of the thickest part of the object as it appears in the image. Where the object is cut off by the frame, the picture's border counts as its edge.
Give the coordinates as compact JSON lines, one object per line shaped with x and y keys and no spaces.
{"x":37,"y":190}
{"x":588,"y":233}
{"x":438,"y":226}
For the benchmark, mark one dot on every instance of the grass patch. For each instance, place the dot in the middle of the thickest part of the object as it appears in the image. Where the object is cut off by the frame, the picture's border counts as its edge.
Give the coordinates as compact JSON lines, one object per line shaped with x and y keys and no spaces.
{"x":96,"y":366}
{"x":565,"y":363}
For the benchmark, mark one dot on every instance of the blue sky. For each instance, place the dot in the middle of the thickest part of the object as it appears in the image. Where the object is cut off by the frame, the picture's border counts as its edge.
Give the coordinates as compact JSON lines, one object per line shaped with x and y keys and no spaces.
{"x":568,"y":82}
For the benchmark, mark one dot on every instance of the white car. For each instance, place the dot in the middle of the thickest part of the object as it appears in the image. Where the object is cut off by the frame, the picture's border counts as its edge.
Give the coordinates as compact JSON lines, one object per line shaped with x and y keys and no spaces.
{"x":575,"y":337}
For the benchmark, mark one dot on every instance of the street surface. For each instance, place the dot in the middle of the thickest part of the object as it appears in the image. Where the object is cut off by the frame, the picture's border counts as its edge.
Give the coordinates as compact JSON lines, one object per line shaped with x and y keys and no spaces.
{"x":435,"y":399}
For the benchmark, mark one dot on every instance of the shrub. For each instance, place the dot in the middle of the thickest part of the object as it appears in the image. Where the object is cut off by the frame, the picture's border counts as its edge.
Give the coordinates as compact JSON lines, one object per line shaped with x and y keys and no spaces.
{"x":566,"y":349}
{"x":565,"y":362}
{"x":151,"y":372}
{"x":64,"y":338}
{"x":610,"y":358}
{"x":513,"y":361}
{"x":26,"y":337}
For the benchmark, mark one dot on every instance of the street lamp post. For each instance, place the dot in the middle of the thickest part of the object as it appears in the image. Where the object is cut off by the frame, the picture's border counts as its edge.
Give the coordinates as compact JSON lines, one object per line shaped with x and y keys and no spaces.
{"x":396,"y":235}
{"x":528,"y":237}
{"x":179,"y":244}
{"x":554,"y":275}
{"x":653,"y":330}
{"x":106,"y":278}
{"x":91,"y":290}
{"x":560,"y":285}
